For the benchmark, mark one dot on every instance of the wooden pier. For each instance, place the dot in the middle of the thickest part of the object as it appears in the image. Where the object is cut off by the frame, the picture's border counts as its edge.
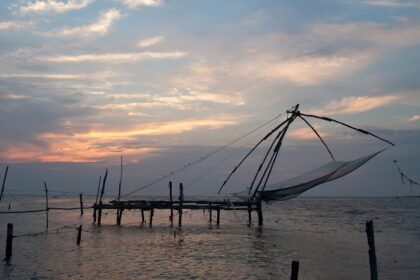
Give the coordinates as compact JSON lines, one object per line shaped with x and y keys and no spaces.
{"x":179,"y":205}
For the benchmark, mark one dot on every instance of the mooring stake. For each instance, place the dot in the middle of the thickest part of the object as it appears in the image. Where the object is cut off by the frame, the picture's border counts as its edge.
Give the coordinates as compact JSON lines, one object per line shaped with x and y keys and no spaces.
{"x":79,"y":235}
{"x":81,"y":204}
{"x":295,"y":270}
{"x":152,"y":211}
{"x":9,"y":242}
{"x":4,"y":182}
{"x":46,"y":203}
{"x":171,"y":217}
{"x":259,"y":211}
{"x":181,"y":200}
{"x":372,"y":252}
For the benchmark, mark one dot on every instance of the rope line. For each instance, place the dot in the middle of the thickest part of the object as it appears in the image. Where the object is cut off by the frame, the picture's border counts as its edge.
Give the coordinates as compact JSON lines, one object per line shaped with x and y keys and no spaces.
{"x":200,"y":159}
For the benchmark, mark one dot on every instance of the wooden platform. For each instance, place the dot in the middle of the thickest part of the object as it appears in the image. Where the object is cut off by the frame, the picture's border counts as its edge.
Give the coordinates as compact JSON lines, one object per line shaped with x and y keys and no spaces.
{"x":178,"y":206}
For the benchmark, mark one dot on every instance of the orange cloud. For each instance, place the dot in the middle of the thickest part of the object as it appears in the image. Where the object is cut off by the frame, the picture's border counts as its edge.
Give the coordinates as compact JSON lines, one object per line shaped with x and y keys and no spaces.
{"x":355,"y":104}
{"x":304,"y":133}
{"x":100,"y":144}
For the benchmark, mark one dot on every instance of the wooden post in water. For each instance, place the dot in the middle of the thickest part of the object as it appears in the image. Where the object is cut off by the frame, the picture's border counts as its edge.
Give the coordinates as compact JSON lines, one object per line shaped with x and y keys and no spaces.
{"x":100,"y":213}
{"x":100,"y":198}
{"x":4,"y":182}
{"x":210,"y":213}
{"x":152,"y":211}
{"x":372,"y":251}
{"x":295,"y":270}
{"x":142,"y":216}
{"x":119,"y":211}
{"x":9,"y":242}
{"x":46,"y":203}
{"x":119,"y":215}
{"x":171,"y":217}
{"x":259,"y":211}
{"x":81,"y":204}
{"x":181,"y":200}
{"x":249,"y":214}
{"x":218,"y":216}
{"x":79,"y":235}
{"x":96,"y":201}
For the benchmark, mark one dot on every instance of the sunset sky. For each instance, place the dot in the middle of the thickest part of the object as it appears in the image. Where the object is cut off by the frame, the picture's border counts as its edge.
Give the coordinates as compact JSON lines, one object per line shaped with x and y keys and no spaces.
{"x":163,"y":82}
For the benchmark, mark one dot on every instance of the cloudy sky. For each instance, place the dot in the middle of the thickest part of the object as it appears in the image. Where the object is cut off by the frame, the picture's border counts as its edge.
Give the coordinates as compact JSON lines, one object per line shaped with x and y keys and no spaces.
{"x":165,"y":82}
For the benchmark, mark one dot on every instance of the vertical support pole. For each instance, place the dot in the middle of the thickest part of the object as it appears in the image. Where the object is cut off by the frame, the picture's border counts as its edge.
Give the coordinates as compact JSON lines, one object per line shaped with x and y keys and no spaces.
{"x":4,"y":182}
{"x":46,"y":203}
{"x":79,"y":235}
{"x":152,"y":211}
{"x":119,"y":215}
{"x":372,"y":251}
{"x":259,"y":211}
{"x":100,"y":213}
{"x":9,"y":242}
{"x":96,"y":200}
{"x":119,"y":211}
{"x":81,"y":204}
{"x":171,"y":217}
{"x":94,"y":213}
{"x":181,"y":200}
{"x":249,"y":214}
{"x":211,"y":213}
{"x":142,"y":216}
{"x":100,"y":197}
{"x":295,"y":270}
{"x":218,"y":216}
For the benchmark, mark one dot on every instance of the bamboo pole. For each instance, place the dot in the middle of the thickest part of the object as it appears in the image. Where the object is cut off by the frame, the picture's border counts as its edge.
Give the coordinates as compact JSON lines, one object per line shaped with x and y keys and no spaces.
{"x":181,"y":200}
{"x":4,"y":182}
{"x":46,"y":203}
{"x":249,"y":214}
{"x":152,"y":211}
{"x":100,"y":198}
{"x":218,"y":216}
{"x":79,"y":235}
{"x":295,"y":270}
{"x":119,"y":211}
{"x":9,"y":242}
{"x":171,"y":217}
{"x":81,"y":204}
{"x":372,"y":252}
{"x":259,"y":211}
{"x":210,"y":213}
{"x":96,"y":200}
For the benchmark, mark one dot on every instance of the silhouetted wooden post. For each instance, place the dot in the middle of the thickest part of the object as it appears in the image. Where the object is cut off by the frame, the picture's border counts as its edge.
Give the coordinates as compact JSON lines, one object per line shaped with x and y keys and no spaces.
{"x":100,"y":213}
{"x":181,"y":200}
{"x":259,"y":211}
{"x":79,"y":235}
{"x":96,"y":200}
{"x":295,"y":270}
{"x":210,"y":213}
{"x":81,"y":204}
{"x":46,"y":202}
{"x":152,"y":211}
{"x":249,"y":214}
{"x":171,"y":217}
{"x":4,"y":182}
{"x":9,"y":242}
{"x":119,"y":211}
{"x":142,"y":216}
{"x":119,"y":215}
{"x":100,"y":198}
{"x":372,"y":251}
{"x":218,"y":216}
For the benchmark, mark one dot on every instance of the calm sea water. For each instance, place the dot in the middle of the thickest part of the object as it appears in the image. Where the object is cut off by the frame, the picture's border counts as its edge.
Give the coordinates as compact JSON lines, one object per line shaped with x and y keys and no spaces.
{"x":325,"y":234}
